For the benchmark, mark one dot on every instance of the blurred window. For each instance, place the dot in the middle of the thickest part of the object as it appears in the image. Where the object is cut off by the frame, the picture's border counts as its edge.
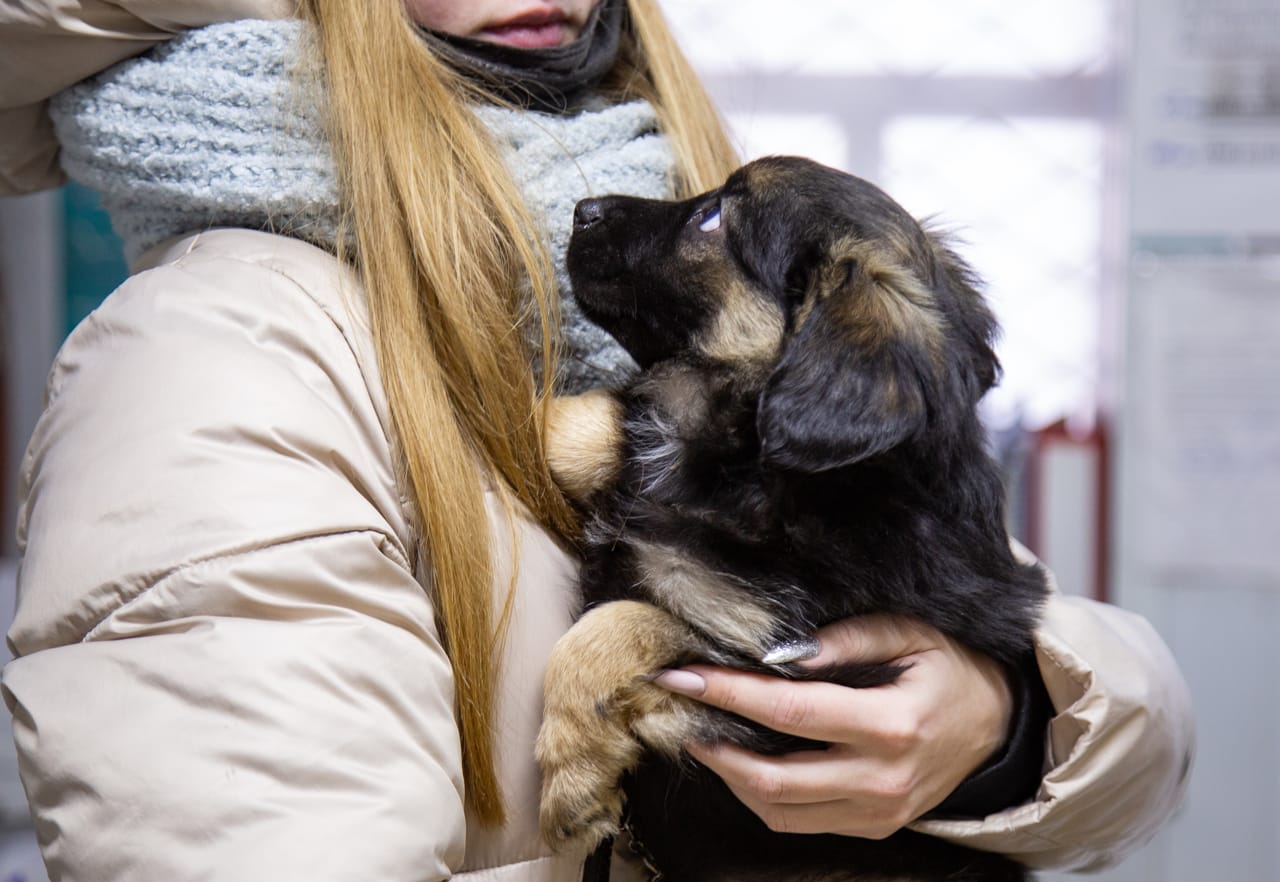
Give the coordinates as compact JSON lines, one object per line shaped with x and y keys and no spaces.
{"x":993,"y":119}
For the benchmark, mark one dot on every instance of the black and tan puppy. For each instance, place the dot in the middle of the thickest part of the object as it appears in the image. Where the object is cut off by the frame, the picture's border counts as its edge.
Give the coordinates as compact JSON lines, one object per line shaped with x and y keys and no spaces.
{"x":801,"y":446}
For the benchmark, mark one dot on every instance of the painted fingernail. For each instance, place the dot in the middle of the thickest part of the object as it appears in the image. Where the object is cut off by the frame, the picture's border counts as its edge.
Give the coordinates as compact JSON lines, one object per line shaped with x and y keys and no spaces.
{"x":796,"y":650}
{"x":683,"y":682}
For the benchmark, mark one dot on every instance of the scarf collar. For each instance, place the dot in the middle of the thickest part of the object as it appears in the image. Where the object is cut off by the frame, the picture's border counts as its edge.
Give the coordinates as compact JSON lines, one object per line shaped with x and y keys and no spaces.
{"x":206,"y":131}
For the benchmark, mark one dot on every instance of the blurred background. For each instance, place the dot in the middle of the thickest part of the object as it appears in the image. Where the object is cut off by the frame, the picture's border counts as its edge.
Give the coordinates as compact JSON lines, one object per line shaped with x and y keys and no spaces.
{"x":1112,"y":169}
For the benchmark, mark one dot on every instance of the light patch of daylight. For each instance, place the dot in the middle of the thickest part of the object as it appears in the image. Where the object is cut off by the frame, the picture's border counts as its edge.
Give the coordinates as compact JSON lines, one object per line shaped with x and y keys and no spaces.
{"x":1022,"y":197}
{"x":1030,"y":38}
{"x":816,"y":136}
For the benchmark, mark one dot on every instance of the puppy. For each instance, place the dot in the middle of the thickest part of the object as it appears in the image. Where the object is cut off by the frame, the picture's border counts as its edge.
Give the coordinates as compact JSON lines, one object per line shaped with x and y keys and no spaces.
{"x":800,"y":446}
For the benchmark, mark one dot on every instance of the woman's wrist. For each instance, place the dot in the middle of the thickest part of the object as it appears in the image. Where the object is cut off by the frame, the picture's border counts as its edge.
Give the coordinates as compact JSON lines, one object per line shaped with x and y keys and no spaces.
{"x":1012,"y":774}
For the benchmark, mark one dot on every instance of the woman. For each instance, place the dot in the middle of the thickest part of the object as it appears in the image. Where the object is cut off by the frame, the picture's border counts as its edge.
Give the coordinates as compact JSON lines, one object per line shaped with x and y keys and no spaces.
{"x":290,"y":480}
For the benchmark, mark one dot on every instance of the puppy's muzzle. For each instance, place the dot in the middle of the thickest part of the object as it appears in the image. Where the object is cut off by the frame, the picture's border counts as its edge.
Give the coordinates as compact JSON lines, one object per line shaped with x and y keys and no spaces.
{"x":587,"y":214}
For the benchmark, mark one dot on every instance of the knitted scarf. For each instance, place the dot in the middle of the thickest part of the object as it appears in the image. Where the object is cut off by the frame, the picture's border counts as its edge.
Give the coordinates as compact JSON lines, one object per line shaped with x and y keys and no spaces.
{"x":205,"y":131}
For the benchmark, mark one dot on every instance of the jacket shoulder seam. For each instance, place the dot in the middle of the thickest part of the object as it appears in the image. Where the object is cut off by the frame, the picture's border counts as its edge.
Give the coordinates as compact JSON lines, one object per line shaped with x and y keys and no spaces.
{"x":386,"y":544}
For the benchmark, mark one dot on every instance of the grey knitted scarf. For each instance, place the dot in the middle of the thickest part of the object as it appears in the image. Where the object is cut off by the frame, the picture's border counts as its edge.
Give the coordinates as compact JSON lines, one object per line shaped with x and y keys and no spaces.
{"x":205,"y":131}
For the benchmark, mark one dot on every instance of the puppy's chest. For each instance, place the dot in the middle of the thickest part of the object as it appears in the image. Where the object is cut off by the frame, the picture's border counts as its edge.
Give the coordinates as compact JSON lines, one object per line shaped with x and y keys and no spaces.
{"x":698,"y":466}
{"x":689,"y":527}
{"x":751,"y":559}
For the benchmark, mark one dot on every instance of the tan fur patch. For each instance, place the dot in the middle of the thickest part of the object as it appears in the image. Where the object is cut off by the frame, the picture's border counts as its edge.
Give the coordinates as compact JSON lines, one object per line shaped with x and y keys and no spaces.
{"x":708,"y":600}
{"x":762,"y":176}
{"x":584,"y":442}
{"x":747,"y":328}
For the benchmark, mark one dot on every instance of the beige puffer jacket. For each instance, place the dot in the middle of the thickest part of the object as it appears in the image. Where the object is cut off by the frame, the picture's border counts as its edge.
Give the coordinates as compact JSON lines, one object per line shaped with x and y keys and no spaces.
{"x":227,"y":662}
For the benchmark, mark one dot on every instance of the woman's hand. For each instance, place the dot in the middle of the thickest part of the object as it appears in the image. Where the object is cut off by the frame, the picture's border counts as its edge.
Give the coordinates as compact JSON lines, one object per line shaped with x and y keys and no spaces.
{"x":896,"y":752}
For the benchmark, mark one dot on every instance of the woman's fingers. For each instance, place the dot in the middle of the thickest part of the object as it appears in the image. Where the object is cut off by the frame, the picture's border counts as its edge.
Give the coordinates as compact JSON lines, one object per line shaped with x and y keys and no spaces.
{"x":809,"y":776}
{"x":809,"y":709}
{"x":816,"y":791}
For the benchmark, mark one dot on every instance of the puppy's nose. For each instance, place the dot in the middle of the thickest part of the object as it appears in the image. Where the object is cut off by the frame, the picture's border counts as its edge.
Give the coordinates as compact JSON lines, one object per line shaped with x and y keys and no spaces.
{"x":587,"y":213}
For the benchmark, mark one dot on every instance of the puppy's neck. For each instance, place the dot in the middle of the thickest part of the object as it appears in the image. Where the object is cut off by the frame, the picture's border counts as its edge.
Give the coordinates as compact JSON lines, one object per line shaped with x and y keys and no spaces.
{"x":705,"y":402}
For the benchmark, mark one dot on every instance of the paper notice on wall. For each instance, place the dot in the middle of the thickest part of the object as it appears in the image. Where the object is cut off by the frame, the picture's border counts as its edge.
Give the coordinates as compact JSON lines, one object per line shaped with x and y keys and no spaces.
{"x":1204,"y":416}
{"x":1206,"y":113}
{"x":1201,"y":410}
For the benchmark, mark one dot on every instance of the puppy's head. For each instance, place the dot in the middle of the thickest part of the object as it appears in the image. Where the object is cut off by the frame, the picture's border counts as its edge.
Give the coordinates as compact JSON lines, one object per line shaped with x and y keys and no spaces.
{"x":869,"y":330}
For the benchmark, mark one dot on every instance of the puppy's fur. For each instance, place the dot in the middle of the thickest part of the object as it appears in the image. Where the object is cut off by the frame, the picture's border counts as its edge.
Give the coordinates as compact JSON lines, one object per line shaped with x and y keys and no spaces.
{"x":801,"y":446}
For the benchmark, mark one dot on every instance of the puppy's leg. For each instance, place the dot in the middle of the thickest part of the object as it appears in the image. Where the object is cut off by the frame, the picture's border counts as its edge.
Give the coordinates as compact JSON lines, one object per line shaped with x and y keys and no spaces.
{"x":584,"y":442}
{"x":600,"y":707}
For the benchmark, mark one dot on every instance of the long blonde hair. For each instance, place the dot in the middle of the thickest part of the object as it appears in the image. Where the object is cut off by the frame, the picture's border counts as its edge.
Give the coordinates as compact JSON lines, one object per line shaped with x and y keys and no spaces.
{"x":444,"y":248}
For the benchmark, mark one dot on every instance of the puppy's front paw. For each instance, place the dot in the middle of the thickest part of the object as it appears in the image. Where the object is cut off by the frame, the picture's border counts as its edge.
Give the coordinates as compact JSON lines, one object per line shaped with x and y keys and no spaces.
{"x":581,"y":801}
{"x":599,"y":707}
{"x":577,"y":819}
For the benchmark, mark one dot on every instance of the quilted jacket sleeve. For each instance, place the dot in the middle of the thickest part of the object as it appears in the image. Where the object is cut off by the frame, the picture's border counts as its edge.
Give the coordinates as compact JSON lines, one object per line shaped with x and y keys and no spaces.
{"x":225,"y":668}
{"x":1119,"y":746}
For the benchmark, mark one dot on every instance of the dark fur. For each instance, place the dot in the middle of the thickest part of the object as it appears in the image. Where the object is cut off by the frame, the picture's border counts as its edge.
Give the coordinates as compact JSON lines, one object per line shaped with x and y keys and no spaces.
{"x":804,"y":430}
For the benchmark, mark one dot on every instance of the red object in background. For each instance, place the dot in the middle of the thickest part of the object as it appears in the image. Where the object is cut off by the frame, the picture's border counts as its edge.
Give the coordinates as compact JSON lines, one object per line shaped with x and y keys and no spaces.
{"x":1068,"y":513}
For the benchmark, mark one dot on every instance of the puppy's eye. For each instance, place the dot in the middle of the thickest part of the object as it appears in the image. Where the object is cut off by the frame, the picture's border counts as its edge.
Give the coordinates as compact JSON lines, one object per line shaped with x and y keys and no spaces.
{"x":707,"y":217}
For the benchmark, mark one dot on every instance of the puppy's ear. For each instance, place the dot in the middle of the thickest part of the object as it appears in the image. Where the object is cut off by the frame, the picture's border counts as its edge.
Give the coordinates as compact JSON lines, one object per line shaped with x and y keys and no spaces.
{"x":975,"y":324}
{"x":853,"y":379}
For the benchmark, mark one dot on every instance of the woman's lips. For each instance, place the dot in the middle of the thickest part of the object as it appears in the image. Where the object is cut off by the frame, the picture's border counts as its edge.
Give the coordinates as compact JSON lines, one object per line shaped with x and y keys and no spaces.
{"x":538,"y":29}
